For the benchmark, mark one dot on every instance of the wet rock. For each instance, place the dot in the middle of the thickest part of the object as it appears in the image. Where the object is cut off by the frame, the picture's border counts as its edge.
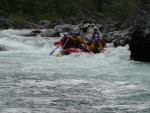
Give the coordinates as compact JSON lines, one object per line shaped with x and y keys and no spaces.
{"x":64,"y":28}
{"x":36,"y":31}
{"x":33,"y":33}
{"x":140,"y":45}
{"x":118,"y":38}
{"x":45,"y":23}
{"x":85,"y":28}
{"x":50,"y":33}
{"x":3,"y":48}
{"x":30,"y":34}
{"x":44,"y":33}
{"x":56,"y":34}
{"x":140,"y":42}
{"x":120,"y":42}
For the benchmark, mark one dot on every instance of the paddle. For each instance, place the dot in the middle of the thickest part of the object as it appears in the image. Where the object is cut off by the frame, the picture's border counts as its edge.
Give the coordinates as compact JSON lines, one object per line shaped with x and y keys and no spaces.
{"x":54,"y":50}
{"x":59,"y":54}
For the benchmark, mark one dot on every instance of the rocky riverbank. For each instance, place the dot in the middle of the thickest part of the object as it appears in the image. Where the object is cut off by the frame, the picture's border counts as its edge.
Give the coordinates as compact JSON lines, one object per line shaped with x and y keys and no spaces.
{"x":118,"y":33}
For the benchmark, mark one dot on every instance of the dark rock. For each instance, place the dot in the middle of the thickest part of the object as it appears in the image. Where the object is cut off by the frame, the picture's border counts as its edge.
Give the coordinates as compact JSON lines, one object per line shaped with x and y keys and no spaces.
{"x":36,"y":31}
{"x":120,"y":42}
{"x":46,"y":33}
{"x":56,"y":34}
{"x":140,"y":45}
{"x":30,"y":34}
{"x":3,"y":48}
{"x":33,"y":33}
{"x":140,"y":42}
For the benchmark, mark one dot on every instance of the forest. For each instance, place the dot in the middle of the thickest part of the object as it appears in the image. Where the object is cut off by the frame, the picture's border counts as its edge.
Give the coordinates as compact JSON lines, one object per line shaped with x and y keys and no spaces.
{"x":35,"y":10}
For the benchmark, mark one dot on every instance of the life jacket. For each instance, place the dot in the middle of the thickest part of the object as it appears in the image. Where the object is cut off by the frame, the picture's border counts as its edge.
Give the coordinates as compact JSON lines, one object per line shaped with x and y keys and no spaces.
{"x":77,"y":43}
{"x":68,"y":44}
{"x":95,"y":47}
{"x":91,"y":46}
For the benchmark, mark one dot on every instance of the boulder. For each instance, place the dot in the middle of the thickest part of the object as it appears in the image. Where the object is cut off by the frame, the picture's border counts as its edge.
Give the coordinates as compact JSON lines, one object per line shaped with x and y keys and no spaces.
{"x":140,"y":42}
{"x":50,"y":33}
{"x":3,"y":48}
{"x":64,"y":28}
{"x":36,"y":31}
{"x":85,"y":28}
{"x":140,"y":45}
{"x":45,"y":33}
{"x":118,"y":38}
{"x":33,"y":33}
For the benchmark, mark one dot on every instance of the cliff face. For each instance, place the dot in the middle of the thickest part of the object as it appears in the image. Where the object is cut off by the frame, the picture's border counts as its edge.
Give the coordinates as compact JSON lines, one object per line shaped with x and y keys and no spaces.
{"x":140,"y":43}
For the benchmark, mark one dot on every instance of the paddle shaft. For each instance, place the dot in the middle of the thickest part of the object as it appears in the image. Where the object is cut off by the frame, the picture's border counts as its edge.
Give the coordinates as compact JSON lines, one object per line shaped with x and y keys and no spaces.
{"x":54,"y":50}
{"x":62,"y":47}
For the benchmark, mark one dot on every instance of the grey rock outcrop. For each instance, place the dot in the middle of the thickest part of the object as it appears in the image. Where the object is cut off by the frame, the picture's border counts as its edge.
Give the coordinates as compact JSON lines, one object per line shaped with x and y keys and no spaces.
{"x":64,"y":28}
{"x":3,"y":48}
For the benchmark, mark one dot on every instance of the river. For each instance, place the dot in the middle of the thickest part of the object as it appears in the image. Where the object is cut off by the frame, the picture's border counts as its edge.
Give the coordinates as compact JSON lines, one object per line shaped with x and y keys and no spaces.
{"x":31,"y":81}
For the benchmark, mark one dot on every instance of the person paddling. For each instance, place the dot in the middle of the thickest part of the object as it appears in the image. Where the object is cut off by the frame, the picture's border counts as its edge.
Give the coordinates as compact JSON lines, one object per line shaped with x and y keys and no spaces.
{"x":97,"y":44}
{"x":96,"y":32}
{"x":69,"y":42}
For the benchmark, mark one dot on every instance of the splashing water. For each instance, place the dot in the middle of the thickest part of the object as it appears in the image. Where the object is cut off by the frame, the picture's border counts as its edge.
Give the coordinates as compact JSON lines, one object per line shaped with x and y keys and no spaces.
{"x":31,"y":81}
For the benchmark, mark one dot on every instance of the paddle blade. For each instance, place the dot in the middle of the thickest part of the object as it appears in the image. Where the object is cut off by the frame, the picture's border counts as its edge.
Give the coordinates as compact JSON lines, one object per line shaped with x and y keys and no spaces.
{"x":51,"y":52}
{"x":58,"y":55}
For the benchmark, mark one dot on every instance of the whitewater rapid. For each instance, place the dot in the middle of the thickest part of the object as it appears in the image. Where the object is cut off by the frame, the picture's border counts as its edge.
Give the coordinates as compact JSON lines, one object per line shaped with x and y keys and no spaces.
{"x":31,"y":81}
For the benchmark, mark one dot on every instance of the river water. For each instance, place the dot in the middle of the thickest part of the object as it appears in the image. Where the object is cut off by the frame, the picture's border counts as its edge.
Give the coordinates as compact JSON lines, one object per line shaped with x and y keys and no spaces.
{"x":31,"y":81}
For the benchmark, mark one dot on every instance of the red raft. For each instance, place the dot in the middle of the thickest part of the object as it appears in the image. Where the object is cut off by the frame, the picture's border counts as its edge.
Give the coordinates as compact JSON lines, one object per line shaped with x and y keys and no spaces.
{"x":72,"y":50}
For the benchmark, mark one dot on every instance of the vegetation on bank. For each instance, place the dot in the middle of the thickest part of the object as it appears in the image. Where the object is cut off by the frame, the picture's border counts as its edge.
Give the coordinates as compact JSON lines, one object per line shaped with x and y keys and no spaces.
{"x":35,"y":10}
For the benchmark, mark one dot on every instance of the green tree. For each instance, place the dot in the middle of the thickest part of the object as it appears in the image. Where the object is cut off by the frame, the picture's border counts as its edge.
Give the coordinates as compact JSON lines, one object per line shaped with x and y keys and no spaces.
{"x":121,"y":9}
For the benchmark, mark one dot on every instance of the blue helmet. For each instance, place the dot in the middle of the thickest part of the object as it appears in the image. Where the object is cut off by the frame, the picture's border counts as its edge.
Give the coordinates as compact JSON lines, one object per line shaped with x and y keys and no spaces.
{"x":89,"y":39}
{"x":73,"y":33}
{"x":96,"y":37}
